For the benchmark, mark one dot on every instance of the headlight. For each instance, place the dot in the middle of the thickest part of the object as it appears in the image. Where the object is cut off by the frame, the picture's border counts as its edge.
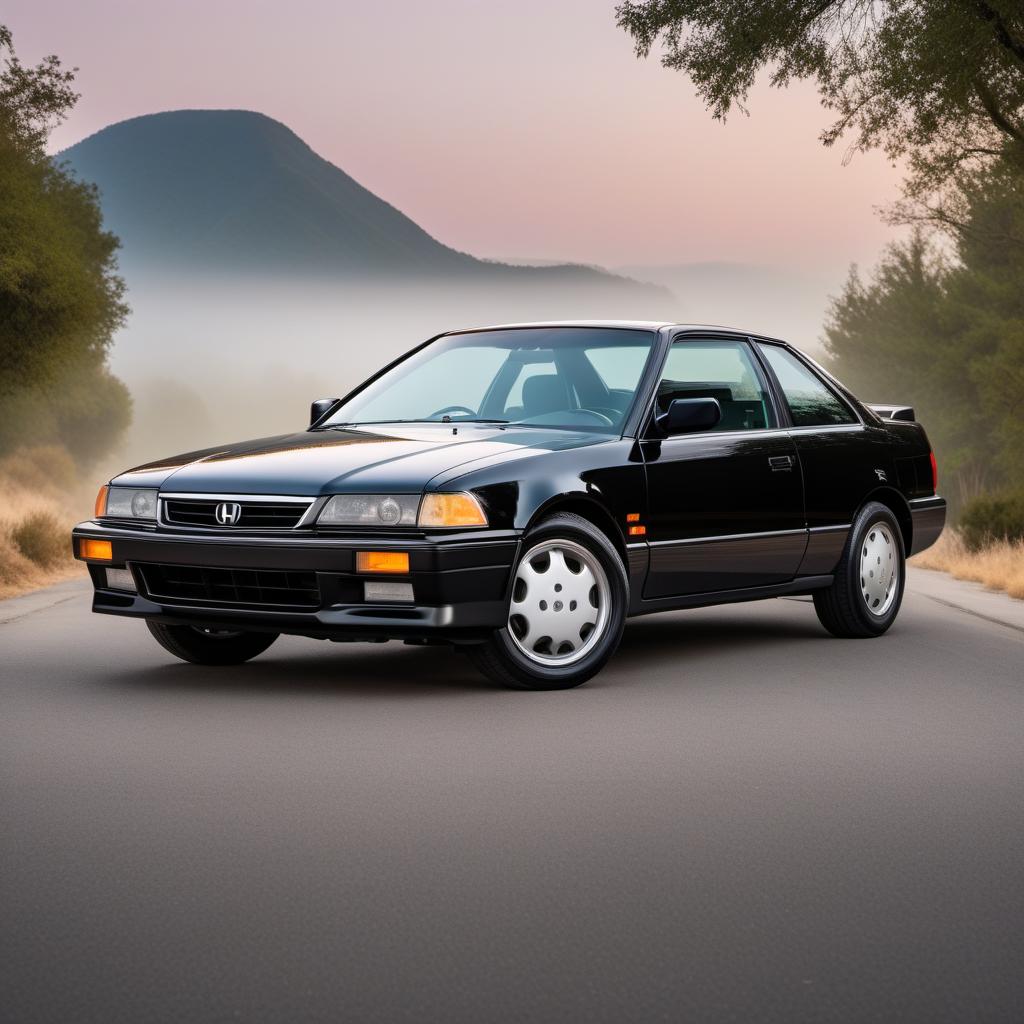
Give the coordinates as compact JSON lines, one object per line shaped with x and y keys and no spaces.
{"x":370,"y":510}
{"x":459,"y":509}
{"x":435,"y":510}
{"x":127,"y":503}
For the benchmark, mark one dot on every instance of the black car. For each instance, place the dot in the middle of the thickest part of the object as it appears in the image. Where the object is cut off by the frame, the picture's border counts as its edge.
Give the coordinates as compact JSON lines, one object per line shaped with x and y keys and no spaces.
{"x":518,"y":492}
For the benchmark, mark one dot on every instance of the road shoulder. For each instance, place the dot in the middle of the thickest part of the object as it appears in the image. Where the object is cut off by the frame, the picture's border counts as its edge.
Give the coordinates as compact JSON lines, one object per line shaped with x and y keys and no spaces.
{"x":972,"y":598}
{"x":14,"y":608}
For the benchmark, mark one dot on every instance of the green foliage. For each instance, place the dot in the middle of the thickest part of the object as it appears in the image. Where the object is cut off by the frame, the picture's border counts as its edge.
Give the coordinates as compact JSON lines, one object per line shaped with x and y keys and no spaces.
{"x":60,"y":297}
{"x":939,"y":83}
{"x":993,"y":518}
{"x":946,"y":334}
{"x":32,"y":100}
{"x":85,"y":409}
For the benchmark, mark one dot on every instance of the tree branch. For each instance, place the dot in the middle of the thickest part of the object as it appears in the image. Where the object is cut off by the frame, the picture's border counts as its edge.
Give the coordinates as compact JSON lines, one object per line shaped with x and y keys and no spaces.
{"x":998,"y":118}
{"x":1006,"y":39}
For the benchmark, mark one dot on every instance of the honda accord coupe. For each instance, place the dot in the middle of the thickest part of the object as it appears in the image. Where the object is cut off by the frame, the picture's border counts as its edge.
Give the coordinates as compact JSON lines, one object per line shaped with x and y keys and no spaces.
{"x":518,"y":492}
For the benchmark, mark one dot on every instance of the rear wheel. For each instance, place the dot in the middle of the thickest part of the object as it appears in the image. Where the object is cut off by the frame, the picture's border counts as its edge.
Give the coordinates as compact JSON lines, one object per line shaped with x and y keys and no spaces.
{"x":566,"y":611}
{"x":867,"y":592}
{"x":203,"y":646}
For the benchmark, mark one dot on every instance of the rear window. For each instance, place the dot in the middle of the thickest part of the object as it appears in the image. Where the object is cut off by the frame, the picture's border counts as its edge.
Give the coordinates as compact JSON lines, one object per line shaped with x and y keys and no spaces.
{"x":812,"y":403}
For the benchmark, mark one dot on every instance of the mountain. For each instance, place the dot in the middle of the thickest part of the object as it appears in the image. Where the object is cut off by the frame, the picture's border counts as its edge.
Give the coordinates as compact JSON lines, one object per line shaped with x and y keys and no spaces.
{"x":235,"y":191}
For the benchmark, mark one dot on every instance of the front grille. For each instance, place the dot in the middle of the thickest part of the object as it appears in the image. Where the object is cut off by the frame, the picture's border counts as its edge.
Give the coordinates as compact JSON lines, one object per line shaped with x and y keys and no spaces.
{"x":254,"y":588}
{"x":255,"y":515}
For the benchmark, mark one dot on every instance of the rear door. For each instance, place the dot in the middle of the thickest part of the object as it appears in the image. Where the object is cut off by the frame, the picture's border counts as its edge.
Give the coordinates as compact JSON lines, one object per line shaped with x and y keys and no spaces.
{"x":725,"y":506}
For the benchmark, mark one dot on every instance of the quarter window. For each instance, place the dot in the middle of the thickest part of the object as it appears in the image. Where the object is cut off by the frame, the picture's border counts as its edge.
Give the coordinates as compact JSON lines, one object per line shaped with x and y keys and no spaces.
{"x":723,"y":370}
{"x":811,"y":402}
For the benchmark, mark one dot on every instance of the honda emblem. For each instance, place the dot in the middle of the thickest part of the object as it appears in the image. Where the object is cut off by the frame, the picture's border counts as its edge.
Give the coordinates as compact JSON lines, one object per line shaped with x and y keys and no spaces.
{"x":228,"y":513}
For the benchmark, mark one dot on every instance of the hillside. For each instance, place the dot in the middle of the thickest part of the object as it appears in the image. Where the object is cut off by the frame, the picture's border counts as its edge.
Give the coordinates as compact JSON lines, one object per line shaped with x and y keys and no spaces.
{"x":235,"y":191}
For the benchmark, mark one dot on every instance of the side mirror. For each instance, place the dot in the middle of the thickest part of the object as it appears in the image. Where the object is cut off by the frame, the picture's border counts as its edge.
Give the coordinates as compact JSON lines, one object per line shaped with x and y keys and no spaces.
{"x":320,"y":408}
{"x":685,"y":415}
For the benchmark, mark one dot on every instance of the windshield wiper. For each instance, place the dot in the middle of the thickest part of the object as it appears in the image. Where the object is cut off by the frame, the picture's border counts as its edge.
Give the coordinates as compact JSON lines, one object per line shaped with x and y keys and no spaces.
{"x":379,"y":423}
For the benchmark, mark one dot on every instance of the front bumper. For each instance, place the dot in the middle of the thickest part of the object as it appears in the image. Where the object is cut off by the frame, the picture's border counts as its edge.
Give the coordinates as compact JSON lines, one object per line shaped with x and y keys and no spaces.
{"x":460,"y":582}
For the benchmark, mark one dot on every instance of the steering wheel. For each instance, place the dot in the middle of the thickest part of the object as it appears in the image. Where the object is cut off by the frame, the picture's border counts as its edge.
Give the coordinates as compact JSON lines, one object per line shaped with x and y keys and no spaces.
{"x":453,"y":408}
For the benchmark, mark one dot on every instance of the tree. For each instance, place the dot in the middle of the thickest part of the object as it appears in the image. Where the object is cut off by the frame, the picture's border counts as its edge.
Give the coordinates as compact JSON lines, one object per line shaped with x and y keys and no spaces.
{"x":61,"y":299}
{"x":939,"y":83}
{"x":945,"y":332}
{"x":34,"y":100}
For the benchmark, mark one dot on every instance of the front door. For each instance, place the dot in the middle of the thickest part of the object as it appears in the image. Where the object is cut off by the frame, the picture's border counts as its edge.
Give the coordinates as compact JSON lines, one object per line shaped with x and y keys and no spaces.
{"x":726,"y":505}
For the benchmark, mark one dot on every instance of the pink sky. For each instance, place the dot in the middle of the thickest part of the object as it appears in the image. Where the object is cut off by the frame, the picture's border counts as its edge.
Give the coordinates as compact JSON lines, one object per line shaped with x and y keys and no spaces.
{"x":524,"y":129}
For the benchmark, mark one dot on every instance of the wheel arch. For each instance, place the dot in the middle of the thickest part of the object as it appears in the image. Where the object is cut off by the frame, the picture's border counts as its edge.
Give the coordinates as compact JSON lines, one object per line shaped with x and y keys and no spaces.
{"x":897,"y":504}
{"x":586,"y":507}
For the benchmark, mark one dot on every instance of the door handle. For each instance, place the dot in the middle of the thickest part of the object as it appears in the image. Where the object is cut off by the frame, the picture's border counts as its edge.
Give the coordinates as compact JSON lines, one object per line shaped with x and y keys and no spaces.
{"x":780,"y":463}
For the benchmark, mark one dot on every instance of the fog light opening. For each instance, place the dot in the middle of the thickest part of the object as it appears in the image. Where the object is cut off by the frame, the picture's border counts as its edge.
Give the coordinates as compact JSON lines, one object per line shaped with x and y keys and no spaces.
{"x":387,"y":590}
{"x":121,"y":579}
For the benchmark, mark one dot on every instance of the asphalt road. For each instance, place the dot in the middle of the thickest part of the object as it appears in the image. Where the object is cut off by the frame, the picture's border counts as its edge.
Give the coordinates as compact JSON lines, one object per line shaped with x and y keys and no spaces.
{"x":741,"y":819}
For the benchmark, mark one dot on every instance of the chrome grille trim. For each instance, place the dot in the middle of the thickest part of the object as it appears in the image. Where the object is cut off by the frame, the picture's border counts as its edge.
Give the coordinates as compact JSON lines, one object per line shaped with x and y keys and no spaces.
{"x":305,"y":508}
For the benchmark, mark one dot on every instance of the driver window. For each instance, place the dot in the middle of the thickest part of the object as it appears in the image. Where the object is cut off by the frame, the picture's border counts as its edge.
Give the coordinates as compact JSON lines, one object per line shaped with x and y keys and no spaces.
{"x":723,"y":370}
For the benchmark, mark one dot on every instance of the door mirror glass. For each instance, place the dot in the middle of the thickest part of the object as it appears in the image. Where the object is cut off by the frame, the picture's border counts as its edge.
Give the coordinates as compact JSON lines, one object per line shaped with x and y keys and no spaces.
{"x":686,"y":415}
{"x":320,"y":408}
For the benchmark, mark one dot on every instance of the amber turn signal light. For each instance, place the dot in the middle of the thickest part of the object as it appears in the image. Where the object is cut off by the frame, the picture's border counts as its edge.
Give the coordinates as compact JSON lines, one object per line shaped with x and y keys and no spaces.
{"x":637,"y":531}
{"x":382,"y":561}
{"x":95,"y":550}
{"x":459,"y":509}
{"x":100,"y":508}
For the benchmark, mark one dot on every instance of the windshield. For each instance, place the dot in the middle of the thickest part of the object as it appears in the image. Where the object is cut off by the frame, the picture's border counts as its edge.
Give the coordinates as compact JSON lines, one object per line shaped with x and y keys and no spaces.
{"x":579,"y":378}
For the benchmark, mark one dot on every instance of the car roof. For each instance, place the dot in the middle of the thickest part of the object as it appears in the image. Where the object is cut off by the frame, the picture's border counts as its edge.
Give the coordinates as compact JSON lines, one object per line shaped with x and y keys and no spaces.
{"x":636,"y":325}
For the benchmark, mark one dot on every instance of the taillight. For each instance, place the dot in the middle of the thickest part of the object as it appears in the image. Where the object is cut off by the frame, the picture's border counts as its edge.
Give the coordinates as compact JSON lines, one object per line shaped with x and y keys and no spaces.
{"x":935,"y":473}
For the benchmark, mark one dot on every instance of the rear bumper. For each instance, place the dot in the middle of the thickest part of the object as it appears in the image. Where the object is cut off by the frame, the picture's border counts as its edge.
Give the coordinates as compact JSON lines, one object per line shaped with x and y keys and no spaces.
{"x":928,"y":518}
{"x":459,"y":582}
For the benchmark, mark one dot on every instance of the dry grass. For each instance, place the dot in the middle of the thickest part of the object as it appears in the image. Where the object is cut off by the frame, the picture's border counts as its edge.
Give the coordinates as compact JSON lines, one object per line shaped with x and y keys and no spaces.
{"x":40,"y":499}
{"x":41,"y":538}
{"x":999,"y":566}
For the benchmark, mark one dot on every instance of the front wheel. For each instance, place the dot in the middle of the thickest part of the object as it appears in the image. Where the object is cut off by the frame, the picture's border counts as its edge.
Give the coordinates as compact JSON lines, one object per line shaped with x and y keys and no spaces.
{"x":867,"y":591}
{"x":203,"y":646}
{"x":566,"y":611}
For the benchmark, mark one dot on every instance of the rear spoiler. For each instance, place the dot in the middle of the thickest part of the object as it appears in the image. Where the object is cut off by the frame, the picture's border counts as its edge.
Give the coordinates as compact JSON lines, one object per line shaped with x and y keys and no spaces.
{"x":894,"y":412}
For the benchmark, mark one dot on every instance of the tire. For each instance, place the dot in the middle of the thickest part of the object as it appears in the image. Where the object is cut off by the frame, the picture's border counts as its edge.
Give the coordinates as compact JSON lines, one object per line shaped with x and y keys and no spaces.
{"x":210,"y":647}
{"x":567,"y":609}
{"x":867,"y":592}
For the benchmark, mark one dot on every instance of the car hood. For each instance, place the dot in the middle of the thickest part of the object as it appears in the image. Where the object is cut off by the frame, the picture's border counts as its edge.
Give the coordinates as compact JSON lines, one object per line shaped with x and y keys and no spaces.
{"x":382,"y":459}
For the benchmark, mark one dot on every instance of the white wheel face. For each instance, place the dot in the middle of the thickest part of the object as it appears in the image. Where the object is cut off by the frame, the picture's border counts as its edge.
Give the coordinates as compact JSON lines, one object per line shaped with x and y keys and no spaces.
{"x":879,"y":569}
{"x":560,"y":603}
